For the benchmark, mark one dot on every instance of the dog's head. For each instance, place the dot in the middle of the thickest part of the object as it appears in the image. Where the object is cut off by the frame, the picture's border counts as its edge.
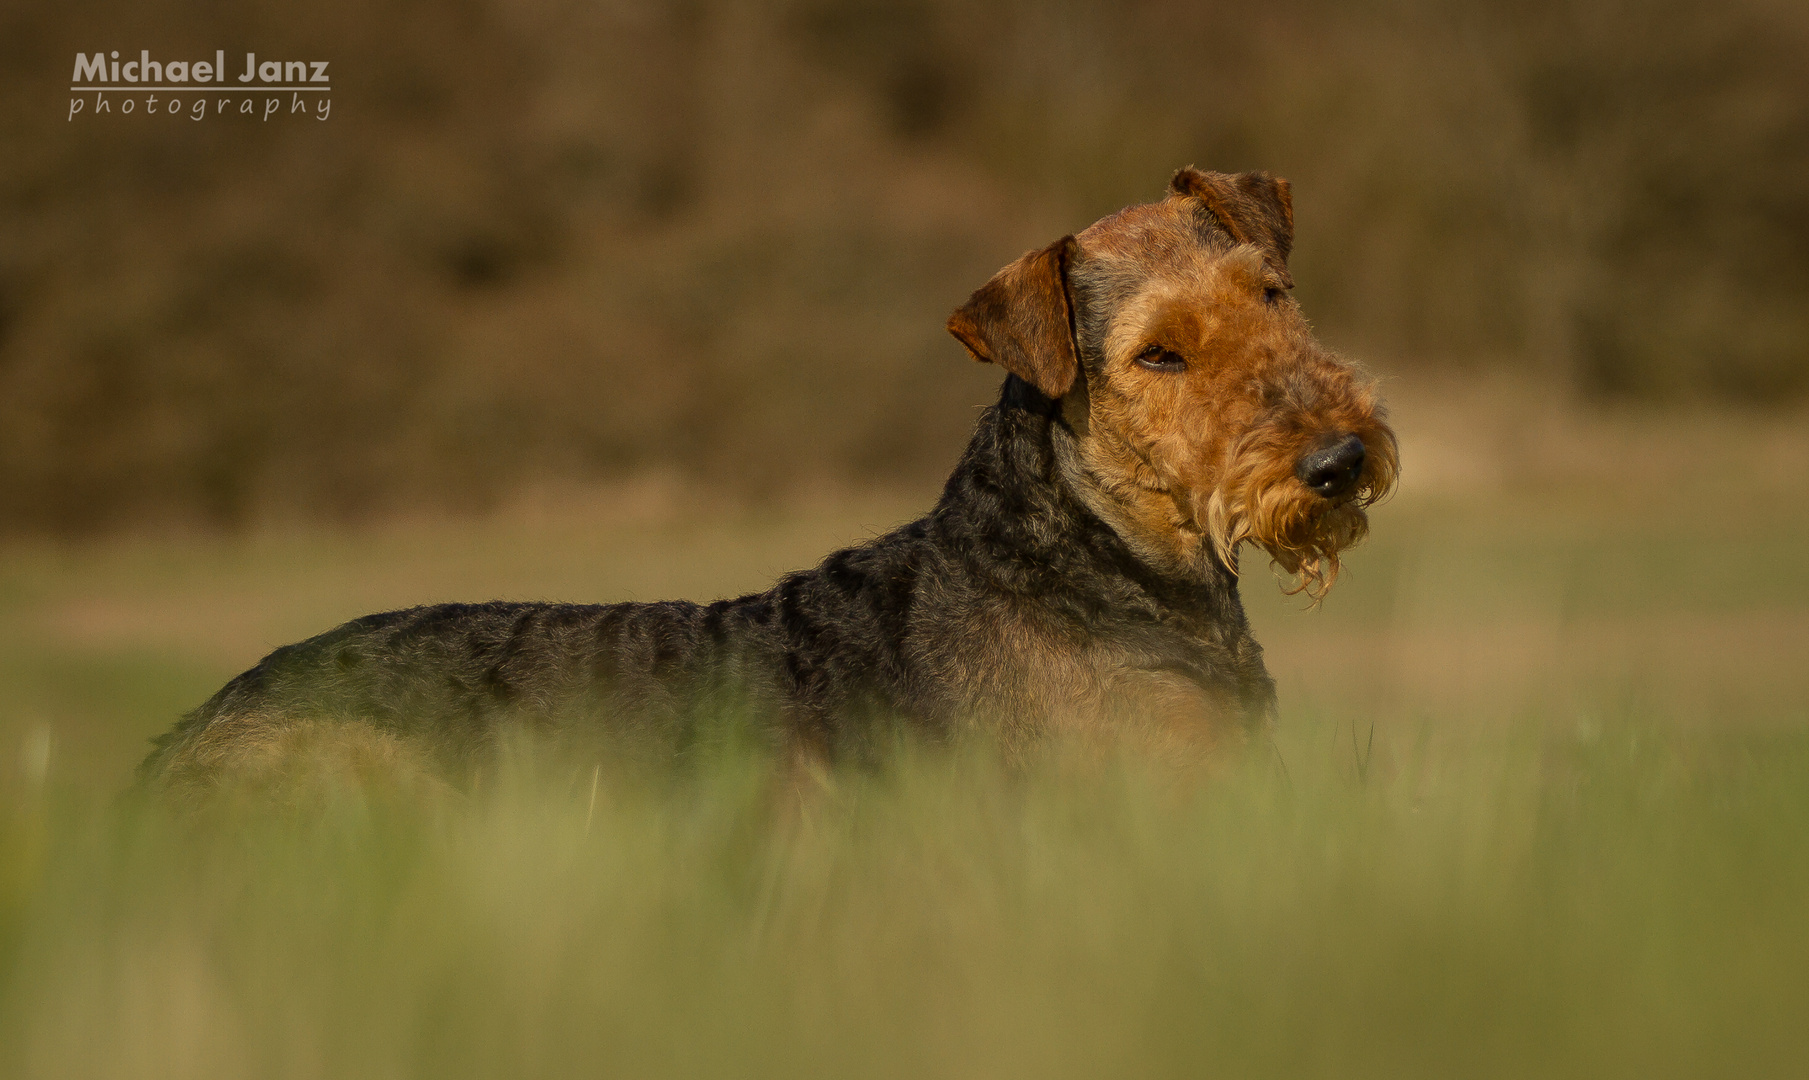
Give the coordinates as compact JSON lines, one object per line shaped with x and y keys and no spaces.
{"x":1202,"y":410}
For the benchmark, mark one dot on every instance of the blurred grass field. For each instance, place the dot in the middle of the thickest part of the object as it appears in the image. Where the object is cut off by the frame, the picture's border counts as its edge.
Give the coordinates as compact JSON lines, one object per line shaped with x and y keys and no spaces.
{"x":1546,"y":813}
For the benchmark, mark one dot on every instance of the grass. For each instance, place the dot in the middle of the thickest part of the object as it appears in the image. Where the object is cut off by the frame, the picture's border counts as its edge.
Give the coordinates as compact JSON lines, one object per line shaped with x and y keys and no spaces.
{"x":1546,"y":814}
{"x":1529,"y":904}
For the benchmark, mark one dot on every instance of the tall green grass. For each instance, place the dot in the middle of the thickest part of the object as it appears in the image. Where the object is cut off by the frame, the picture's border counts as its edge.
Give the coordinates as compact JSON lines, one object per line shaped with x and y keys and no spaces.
{"x":1533,"y":900}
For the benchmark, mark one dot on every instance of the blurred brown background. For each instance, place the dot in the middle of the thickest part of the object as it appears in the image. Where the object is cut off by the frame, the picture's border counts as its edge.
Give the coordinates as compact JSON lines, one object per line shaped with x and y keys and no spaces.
{"x":543,"y":241}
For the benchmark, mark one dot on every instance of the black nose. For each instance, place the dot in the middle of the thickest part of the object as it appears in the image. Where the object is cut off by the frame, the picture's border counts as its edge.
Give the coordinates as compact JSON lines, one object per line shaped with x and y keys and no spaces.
{"x":1332,"y":471}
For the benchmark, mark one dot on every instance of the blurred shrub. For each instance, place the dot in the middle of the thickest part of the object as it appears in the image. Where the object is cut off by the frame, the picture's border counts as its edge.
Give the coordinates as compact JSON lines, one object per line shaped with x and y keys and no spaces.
{"x":548,"y":239}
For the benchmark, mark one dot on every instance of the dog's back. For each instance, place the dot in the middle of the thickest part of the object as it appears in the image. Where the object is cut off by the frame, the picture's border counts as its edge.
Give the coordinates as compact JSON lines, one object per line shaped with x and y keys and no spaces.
{"x":822,"y":661}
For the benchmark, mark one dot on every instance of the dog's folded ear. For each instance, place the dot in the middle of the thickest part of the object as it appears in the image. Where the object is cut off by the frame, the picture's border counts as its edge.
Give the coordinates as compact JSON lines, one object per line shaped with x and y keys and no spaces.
{"x":1254,"y":207}
{"x":1022,"y":320}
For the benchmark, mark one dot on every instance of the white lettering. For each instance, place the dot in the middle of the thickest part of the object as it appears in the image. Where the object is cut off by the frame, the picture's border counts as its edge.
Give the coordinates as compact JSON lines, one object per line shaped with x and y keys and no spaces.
{"x":85,"y":68}
{"x":176,"y":71}
{"x":251,"y":60}
{"x":270,"y":71}
{"x":199,"y":110}
{"x":320,"y":70}
{"x":270,"y":106}
{"x":326,"y":106}
{"x":75,"y":106}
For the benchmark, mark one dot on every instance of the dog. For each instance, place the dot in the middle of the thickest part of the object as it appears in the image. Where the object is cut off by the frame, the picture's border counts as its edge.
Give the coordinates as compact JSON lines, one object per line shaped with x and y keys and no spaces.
{"x":1164,"y":402}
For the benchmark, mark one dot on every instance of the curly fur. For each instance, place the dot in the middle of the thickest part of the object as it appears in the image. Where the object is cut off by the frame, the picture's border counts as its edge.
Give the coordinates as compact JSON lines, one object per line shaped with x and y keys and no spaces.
{"x":1258,"y":499}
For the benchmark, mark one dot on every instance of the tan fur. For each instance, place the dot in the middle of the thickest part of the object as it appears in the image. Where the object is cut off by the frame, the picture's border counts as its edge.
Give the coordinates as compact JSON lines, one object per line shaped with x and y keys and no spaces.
{"x":1089,"y":695}
{"x":1207,"y":456}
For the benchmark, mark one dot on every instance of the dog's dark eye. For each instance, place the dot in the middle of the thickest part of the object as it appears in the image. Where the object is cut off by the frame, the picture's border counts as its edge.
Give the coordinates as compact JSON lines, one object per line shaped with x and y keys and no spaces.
{"x":1156,"y":358}
{"x":1271,"y":294}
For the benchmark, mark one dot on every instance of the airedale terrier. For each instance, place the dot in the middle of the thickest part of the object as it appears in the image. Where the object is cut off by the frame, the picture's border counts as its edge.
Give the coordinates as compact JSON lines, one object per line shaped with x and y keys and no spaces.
{"x":1165,"y":401}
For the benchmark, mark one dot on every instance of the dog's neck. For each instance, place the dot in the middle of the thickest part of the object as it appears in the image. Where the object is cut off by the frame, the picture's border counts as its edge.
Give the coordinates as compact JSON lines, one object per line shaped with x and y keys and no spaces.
{"x":1124,"y":489}
{"x":1026,"y":493}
